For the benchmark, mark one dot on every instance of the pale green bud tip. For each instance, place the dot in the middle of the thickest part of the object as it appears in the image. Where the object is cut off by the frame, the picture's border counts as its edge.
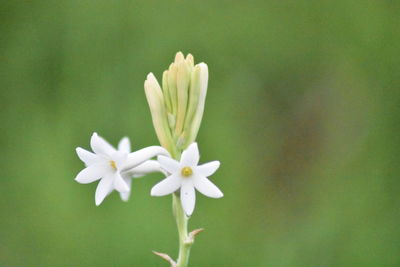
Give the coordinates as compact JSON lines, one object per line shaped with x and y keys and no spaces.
{"x":153,"y":85}
{"x":203,"y":75}
{"x":189,"y":60}
{"x":179,"y":57}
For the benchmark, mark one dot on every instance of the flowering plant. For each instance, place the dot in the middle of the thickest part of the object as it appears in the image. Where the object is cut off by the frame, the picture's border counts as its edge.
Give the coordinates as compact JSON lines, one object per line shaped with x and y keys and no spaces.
{"x":177,"y":110}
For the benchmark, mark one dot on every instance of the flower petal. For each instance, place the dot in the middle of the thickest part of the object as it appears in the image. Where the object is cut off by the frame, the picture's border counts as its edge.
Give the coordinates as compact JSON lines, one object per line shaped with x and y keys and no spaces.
{"x":206,"y":187}
{"x":93,"y":173}
{"x":120,"y":184}
{"x":168,"y":164}
{"x":124,"y":145}
{"x":104,"y":188}
{"x":138,"y":157}
{"x":125,"y":195}
{"x":190,"y":157}
{"x":166,"y":186}
{"x":188,"y":198}
{"x":101,"y":146}
{"x":144,"y":168}
{"x":86,"y":156}
{"x":208,"y":169}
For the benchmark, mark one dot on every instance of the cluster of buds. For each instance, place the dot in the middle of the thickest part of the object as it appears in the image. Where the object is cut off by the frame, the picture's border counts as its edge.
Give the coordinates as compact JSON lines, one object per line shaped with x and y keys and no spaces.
{"x":177,"y":108}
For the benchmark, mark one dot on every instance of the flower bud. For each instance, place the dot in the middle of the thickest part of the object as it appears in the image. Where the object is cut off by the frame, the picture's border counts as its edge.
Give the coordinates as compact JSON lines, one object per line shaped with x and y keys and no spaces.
{"x":182,"y":84}
{"x":181,"y":101}
{"x":198,"y":92}
{"x":155,"y":98}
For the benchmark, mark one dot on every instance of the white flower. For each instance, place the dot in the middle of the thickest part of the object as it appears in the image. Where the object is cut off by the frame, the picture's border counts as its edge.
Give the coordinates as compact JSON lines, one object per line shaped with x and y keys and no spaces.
{"x":115,"y":167}
{"x":187,"y":176}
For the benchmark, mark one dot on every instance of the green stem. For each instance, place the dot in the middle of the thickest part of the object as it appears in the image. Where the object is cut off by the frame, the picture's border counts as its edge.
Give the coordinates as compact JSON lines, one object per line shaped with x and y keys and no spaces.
{"x":185,"y":243}
{"x":181,"y":222}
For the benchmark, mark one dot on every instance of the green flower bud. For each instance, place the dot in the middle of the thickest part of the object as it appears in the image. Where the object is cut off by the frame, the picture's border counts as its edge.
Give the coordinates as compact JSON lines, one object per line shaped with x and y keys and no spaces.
{"x":177,"y":109}
{"x":155,"y":98}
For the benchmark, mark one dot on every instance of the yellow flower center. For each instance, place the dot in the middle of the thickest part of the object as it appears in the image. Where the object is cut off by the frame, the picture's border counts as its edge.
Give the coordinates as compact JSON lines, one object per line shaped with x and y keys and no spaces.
{"x":186,"y":171}
{"x":113,"y":164}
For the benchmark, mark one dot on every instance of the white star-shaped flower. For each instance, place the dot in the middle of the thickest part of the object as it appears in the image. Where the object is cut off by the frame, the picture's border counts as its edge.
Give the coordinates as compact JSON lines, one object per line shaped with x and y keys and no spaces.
{"x":187,"y":176}
{"x":114,"y":167}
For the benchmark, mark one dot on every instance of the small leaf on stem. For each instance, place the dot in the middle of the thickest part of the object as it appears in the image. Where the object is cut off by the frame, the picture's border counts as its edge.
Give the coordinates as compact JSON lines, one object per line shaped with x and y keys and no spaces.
{"x":166,"y":257}
{"x":193,"y":234}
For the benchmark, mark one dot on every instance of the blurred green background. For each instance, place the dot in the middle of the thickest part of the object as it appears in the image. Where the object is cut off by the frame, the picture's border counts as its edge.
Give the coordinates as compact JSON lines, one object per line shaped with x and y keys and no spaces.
{"x":302,"y":111}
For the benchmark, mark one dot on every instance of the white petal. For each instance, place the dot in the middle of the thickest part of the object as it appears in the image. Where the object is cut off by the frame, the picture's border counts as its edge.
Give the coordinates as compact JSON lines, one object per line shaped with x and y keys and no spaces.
{"x":144,"y":168}
{"x":86,"y":156}
{"x":207,"y":188}
{"x":190,"y":157}
{"x":138,"y":157}
{"x":124,"y":145}
{"x":188,"y":198}
{"x":93,"y":173}
{"x":101,"y":146}
{"x":166,"y":186}
{"x":119,"y":184}
{"x":104,"y":188}
{"x":125,"y":195}
{"x":208,"y":169}
{"x":168,"y":164}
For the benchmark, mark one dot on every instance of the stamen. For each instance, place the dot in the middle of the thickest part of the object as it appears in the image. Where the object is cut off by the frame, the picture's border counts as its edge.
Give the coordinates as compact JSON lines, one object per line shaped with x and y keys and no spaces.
{"x":113,"y":164}
{"x":186,"y":171}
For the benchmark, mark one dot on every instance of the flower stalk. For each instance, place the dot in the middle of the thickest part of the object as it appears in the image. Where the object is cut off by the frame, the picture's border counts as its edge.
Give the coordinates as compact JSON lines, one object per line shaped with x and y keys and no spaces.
{"x":177,"y":110}
{"x":182,"y":223}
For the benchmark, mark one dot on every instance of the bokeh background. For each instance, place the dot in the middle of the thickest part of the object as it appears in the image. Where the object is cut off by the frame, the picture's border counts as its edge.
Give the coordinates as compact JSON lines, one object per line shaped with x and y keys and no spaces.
{"x":302,"y":111}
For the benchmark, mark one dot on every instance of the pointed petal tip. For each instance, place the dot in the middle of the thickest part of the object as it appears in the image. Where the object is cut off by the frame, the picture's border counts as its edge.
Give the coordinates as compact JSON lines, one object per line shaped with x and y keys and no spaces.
{"x":124,"y":197}
{"x":203,"y":66}
{"x":209,"y":168}
{"x":179,"y":56}
{"x":78,"y":150}
{"x":188,"y":212}
{"x":150,"y":76}
{"x":191,"y":155}
{"x":93,"y":138}
{"x":153,"y":193}
{"x":98,"y":201}
{"x":217,"y":163}
{"x":167,"y":186}
{"x":194,"y":146}
{"x":124,"y":144}
{"x":121,"y":186}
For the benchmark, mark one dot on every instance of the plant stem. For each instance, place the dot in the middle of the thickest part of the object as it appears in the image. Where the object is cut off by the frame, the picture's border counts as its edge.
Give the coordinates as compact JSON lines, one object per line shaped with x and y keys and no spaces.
{"x":181,"y":222}
{"x":185,"y":242}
